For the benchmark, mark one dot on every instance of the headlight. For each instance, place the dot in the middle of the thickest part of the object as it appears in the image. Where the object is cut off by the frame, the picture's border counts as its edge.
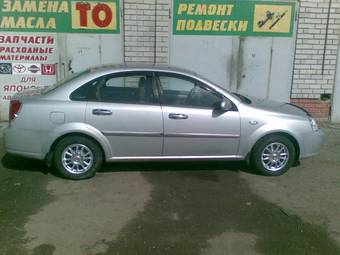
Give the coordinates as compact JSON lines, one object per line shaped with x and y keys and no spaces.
{"x":313,"y":124}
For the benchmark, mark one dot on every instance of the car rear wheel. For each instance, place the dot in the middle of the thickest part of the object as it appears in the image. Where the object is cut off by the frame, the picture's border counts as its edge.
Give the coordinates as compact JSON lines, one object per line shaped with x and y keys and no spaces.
{"x":273,"y":155}
{"x":77,"y":157}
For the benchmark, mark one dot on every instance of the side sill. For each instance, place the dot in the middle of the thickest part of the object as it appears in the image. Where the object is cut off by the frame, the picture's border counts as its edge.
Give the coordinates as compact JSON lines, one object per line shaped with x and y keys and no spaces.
{"x":26,"y":154}
{"x":176,"y":158}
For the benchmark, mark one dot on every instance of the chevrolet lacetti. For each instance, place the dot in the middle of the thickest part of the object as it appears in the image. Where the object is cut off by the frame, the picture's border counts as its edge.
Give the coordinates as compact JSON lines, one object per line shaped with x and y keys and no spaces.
{"x":131,"y":113}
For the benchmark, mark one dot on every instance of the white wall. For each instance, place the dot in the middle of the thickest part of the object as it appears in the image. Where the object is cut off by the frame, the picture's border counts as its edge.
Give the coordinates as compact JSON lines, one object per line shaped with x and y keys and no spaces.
{"x":256,"y":66}
{"x":336,"y":94}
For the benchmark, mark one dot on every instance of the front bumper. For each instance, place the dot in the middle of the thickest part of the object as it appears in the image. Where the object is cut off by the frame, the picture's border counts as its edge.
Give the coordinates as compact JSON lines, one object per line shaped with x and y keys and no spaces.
{"x":311,"y":143}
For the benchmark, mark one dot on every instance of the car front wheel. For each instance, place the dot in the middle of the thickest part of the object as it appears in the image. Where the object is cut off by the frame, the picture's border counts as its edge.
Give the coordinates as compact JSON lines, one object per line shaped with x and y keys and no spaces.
{"x":273,"y":155}
{"x":77,"y":157}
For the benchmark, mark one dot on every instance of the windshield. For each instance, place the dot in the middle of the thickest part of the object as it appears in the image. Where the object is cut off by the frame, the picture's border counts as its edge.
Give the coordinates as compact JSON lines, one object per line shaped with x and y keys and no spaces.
{"x":244,"y":99}
{"x":64,"y":81}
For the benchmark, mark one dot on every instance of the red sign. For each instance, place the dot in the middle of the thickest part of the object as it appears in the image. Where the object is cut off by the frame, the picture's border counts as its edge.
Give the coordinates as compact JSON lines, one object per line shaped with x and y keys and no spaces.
{"x":48,"y":69}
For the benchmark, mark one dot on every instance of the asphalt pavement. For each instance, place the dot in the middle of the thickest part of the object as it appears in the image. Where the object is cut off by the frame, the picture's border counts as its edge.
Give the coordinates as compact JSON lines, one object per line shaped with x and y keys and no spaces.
{"x":208,"y":208}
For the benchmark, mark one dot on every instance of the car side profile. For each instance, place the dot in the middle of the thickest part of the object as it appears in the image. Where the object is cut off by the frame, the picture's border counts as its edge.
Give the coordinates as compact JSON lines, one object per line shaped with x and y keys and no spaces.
{"x":133,"y":113}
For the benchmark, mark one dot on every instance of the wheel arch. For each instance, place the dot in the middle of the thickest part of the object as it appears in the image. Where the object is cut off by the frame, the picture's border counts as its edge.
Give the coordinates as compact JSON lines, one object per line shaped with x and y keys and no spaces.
{"x":54,"y":144}
{"x":87,"y":132}
{"x":277,"y":133}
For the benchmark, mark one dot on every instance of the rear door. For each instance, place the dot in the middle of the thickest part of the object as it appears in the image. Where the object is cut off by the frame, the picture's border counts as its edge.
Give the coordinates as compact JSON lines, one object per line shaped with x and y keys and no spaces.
{"x":192,"y":126}
{"x":125,"y":108}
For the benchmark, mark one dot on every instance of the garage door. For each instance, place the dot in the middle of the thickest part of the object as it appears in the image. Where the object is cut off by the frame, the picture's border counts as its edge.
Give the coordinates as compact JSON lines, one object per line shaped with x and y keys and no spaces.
{"x":244,"y":46}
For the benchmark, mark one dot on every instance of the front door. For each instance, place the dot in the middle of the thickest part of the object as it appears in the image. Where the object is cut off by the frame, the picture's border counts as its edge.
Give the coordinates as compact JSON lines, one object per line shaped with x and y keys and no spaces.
{"x":126,"y":110}
{"x":191,"y":125}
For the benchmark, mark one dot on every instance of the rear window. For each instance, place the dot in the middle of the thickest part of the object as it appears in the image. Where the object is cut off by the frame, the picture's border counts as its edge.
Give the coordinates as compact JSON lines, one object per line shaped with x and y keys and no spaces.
{"x":64,"y":81}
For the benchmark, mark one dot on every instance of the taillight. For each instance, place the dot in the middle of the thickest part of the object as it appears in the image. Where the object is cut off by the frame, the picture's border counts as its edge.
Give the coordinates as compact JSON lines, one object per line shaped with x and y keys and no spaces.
{"x":14,"y":108}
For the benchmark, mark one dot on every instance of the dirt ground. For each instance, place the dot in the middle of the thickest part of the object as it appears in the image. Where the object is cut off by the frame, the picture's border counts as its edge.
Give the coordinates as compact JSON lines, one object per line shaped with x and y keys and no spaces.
{"x":208,"y":208}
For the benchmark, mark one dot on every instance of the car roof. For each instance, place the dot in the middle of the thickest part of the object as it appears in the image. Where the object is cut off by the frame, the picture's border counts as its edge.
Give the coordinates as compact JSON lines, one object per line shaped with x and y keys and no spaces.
{"x":97,"y":71}
{"x":141,"y":67}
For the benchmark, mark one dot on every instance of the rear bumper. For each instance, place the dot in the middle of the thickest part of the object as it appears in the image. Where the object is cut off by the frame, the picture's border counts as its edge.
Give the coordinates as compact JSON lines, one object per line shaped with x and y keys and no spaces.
{"x":311,"y":143}
{"x":23,"y":142}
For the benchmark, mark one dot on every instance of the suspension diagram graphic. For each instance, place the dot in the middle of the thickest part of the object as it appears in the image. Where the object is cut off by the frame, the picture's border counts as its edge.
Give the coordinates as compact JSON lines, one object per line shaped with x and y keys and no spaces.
{"x":272,"y":18}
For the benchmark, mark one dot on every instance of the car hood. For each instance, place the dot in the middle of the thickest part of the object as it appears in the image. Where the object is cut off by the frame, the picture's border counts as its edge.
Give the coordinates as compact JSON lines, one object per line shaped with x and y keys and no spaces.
{"x":278,"y":107}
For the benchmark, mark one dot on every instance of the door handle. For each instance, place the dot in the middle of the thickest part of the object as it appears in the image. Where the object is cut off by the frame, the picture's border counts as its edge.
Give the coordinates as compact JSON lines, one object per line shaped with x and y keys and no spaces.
{"x":178,"y":116}
{"x":101,"y":112}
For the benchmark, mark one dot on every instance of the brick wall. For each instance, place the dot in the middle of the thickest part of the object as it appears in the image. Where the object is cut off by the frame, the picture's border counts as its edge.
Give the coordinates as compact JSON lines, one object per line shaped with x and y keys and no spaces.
{"x":316,"y":57}
{"x":146,"y":30}
{"x":319,"y":109}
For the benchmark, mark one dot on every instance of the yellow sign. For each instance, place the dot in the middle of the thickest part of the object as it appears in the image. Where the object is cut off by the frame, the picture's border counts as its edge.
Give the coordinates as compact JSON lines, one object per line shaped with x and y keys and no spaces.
{"x":94,"y":15}
{"x":272,"y":18}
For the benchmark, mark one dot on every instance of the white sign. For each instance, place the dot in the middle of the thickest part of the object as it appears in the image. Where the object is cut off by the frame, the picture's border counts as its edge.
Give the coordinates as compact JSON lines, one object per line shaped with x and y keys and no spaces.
{"x":27,"y":60}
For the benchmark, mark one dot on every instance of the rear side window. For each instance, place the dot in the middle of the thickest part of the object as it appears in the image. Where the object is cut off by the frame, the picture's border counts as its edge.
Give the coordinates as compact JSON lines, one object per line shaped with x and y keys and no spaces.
{"x":64,"y":81}
{"x":83,"y":92}
{"x":133,"y":88}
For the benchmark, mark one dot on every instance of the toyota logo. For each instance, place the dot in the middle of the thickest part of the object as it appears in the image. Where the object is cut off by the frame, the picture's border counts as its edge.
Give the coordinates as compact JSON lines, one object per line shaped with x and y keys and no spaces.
{"x":19,"y":68}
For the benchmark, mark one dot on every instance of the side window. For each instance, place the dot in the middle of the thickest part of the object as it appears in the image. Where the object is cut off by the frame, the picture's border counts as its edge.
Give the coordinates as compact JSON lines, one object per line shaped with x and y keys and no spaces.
{"x":180,"y":91}
{"x":127,"y":88}
{"x":84,"y":93}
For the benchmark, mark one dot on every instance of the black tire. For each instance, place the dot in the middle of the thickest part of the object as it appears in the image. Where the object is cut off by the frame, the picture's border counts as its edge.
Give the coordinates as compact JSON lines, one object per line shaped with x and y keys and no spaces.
{"x":276,"y":163}
{"x":85,"y":162}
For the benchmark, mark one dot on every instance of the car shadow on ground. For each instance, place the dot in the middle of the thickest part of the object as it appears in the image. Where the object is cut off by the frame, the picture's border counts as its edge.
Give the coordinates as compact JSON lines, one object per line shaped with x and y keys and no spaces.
{"x":14,"y":162}
{"x":178,"y":166}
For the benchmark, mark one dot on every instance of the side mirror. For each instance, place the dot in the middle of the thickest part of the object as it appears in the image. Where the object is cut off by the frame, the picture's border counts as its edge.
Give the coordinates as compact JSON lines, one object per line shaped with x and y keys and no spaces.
{"x":225,"y":105}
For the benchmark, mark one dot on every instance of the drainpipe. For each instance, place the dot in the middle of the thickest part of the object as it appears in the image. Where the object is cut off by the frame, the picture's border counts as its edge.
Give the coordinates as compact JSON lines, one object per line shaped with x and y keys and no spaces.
{"x":155,"y":42}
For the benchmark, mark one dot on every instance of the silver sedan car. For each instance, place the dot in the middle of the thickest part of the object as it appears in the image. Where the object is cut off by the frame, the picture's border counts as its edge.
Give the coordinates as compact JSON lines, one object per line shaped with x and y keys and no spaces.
{"x":126,"y":113}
